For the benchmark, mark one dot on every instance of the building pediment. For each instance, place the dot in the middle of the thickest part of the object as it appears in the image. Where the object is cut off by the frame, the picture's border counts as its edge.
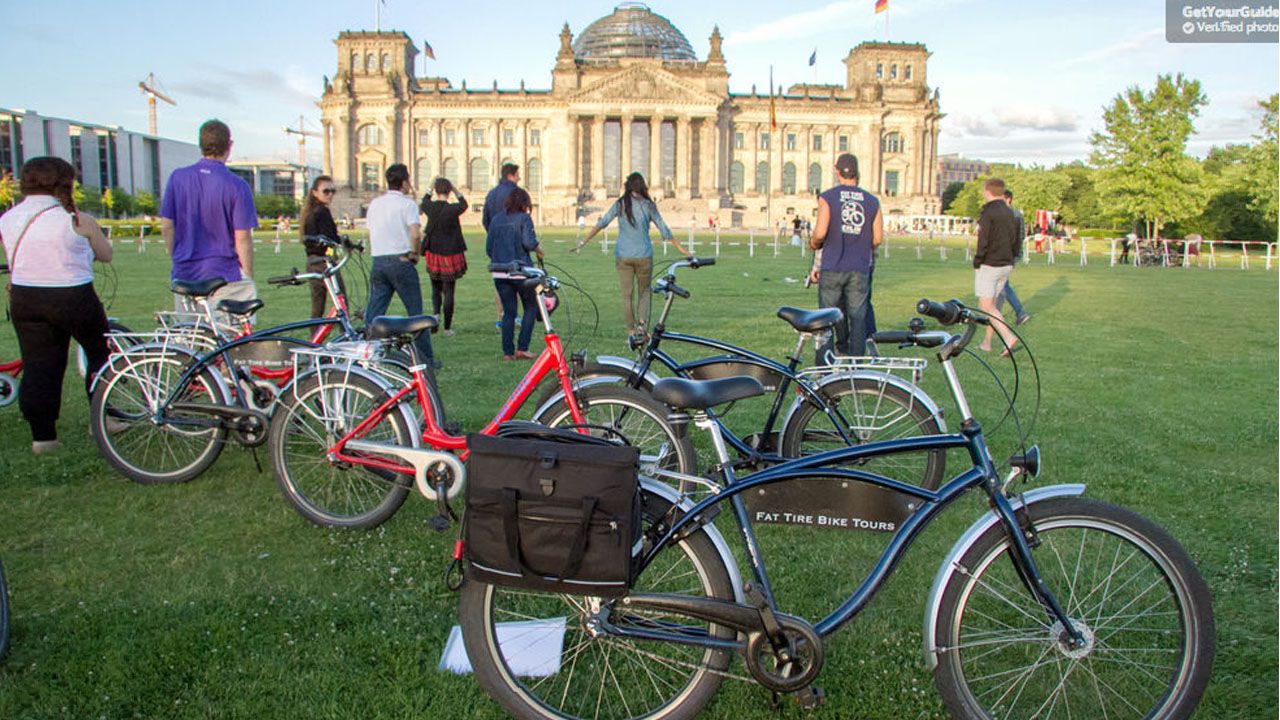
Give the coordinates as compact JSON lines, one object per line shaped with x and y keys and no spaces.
{"x":639,"y":84}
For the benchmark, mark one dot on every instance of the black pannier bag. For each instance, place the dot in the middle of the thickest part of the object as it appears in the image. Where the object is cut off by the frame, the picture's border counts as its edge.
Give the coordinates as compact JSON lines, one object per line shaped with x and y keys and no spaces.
{"x":551,"y":510}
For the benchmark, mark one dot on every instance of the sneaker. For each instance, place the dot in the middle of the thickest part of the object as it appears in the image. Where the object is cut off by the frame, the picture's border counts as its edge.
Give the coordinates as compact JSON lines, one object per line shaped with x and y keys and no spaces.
{"x":450,"y":333}
{"x":524,"y":355}
{"x":1023,"y":318}
{"x":42,"y":447}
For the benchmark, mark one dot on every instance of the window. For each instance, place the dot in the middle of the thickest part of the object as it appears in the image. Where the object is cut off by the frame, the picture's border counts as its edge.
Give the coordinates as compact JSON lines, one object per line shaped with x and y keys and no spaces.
{"x":739,"y":142}
{"x":791,"y":141}
{"x":764,"y":141}
{"x":424,"y":137}
{"x":893,"y":71}
{"x":892,"y":143}
{"x":423,"y":183}
{"x":762,"y":178}
{"x":789,"y":179}
{"x":356,"y":65}
{"x":906,"y":73}
{"x":477,"y":137}
{"x":449,"y":170}
{"x":369,"y":173}
{"x":879,"y":71}
{"x":282,"y":184}
{"x":369,"y":135}
{"x":736,"y":179}
{"x":817,"y":143}
{"x":6,"y":147}
{"x":450,"y":137}
{"x":535,"y":138}
{"x":815,"y":178}
{"x":369,"y":63}
{"x":478,"y":173}
{"x":843,"y":144}
{"x":508,"y":137}
{"x":75,"y":151}
{"x":891,"y":183}
{"x":533,"y":176}
{"x":386,"y":62}
{"x":667,"y":155}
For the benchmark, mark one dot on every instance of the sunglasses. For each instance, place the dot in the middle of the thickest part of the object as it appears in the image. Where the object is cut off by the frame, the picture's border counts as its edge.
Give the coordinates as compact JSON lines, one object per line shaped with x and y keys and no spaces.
{"x":328,"y":191}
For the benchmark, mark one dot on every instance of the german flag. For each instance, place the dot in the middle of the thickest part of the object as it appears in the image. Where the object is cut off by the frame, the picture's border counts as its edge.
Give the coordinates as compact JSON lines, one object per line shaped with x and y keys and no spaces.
{"x":882,"y":5}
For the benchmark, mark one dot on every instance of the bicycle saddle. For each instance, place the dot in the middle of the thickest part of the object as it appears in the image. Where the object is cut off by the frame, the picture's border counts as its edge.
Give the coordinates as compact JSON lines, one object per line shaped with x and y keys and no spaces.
{"x":810,"y":320}
{"x":390,"y":326}
{"x":702,"y":394}
{"x":196,"y":288}
{"x":240,"y":307}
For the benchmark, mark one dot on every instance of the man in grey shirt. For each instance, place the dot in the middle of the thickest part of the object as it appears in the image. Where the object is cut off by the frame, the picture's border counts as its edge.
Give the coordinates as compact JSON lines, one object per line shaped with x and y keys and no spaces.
{"x":1019,"y":311}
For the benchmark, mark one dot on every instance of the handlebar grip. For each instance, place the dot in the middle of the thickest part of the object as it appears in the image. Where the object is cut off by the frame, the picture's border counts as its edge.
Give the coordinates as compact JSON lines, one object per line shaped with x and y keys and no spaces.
{"x":947,"y":313}
{"x":679,"y":291}
{"x":893,"y":336}
{"x":282,"y":280}
{"x":506,"y":267}
{"x":698,"y":262}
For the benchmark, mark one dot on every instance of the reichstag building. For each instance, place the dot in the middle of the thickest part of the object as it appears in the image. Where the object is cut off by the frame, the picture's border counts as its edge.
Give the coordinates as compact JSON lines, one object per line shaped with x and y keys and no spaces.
{"x":629,"y":94}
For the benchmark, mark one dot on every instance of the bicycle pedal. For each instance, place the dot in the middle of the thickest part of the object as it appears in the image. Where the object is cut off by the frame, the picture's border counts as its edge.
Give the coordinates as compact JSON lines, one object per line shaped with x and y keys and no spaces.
{"x":439,"y":523}
{"x":811,"y":698}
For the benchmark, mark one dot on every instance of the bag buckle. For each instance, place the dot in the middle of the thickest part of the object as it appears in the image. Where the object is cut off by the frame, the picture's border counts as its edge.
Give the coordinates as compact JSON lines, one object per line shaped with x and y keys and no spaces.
{"x":548,"y":486}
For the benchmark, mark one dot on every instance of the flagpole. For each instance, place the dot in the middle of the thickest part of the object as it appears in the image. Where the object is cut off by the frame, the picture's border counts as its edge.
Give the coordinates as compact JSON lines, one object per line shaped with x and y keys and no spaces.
{"x":377,"y":15}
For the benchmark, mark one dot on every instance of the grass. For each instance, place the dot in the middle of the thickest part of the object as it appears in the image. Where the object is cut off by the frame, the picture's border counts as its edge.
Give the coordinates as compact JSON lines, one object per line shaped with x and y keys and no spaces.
{"x":213,"y":599}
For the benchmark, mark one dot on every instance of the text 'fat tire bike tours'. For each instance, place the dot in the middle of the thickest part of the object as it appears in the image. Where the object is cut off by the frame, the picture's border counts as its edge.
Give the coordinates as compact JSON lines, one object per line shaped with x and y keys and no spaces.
{"x":1049,"y":605}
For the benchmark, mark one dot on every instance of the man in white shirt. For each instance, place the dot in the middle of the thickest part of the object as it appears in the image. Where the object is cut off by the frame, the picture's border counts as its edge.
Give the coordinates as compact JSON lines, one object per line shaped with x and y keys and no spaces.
{"x":394,"y":235}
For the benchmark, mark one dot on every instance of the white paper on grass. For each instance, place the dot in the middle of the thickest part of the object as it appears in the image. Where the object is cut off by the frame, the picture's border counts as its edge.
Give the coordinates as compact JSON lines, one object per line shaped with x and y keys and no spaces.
{"x":532,"y":648}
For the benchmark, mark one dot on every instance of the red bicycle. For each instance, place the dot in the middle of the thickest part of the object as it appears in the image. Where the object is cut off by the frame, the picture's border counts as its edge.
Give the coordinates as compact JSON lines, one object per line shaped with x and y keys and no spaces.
{"x":346,"y":443}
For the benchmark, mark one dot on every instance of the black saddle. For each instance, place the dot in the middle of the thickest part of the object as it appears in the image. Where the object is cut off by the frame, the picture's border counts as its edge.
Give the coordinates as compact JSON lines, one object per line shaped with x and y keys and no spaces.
{"x":810,"y":320}
{"x":392,"y":326}
{"x":703,"y":394}
{"x":197,"y":288}
{"x":240,"y":307}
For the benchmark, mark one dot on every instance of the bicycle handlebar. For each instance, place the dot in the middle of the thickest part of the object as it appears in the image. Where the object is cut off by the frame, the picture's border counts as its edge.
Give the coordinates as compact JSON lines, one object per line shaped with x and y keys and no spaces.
{"x":905,"y":338}
{"x":950,"y":313}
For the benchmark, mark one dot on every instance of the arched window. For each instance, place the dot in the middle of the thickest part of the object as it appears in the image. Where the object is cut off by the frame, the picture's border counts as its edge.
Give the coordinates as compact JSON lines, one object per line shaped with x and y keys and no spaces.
{"x":737,"y":177}
{"x":386,"y":62}
{"x":356,"y":65}
{"x":906,"y":73}
{"x":892,"y":143}
{"x":369,"y":136}
{"x":533,"y":175}
{"x":478,"y":174}
{"x":449,"y":170}
{"x":789,"y":179}
{"x":893,"y":71}
{"x":815,"y":178}
{"x":423,"y":176}
{"x":762,"y":178}
{"x":370,"y":63}
{"x":879,"y":71}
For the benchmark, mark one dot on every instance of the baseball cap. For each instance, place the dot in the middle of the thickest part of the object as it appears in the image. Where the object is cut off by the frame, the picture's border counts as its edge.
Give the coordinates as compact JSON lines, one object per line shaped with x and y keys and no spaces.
{"x":847,"y":165}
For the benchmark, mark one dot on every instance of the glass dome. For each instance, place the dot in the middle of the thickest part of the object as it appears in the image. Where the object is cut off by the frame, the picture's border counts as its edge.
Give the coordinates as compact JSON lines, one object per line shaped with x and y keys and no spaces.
{"x":633,"y":31}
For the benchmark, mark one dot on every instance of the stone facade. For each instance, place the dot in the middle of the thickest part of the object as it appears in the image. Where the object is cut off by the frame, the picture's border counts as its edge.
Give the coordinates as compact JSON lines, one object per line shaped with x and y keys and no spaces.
{"x":704,"y":150}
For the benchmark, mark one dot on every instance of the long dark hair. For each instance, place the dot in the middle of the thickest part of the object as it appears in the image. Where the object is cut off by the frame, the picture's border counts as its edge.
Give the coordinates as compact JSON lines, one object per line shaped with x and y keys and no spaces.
{"x":48,"y":175}
{"x":519,"y":201}
{"x":635,"y":185}
{"x":312,"y":204}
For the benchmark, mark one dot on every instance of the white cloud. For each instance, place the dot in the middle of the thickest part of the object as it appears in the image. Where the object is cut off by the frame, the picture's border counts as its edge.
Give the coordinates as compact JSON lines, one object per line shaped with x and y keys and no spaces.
{"x":1004,"y":121}
{"x":1149,"y":40}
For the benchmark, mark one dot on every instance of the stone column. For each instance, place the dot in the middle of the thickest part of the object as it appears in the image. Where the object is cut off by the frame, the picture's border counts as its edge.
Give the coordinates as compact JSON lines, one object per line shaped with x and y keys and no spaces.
{"x":342,"y":138}
{"x":465,"y":170}
{"x":523,"y":128}
{"x":933,"y":160}
{"x":655,"y":151}
{"x":597,"y":156}
{"x":777,"y":158}
{"x":684,"y":159}
{"x":437,"y":137}
{"x":495,"y":167}
{"x":717,"y":130}
{"x":624,"y":168}
{"x":326,"y":131}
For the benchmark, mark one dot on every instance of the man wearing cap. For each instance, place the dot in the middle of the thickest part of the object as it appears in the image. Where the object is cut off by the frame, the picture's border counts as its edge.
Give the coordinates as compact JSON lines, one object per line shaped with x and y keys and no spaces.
{"x":849,"y":229}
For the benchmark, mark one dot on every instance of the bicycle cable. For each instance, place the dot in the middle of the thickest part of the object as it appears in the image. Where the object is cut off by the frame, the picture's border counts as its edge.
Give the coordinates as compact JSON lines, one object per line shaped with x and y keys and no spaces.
{"x":568,"y":280}
{"x":1011,"y":411}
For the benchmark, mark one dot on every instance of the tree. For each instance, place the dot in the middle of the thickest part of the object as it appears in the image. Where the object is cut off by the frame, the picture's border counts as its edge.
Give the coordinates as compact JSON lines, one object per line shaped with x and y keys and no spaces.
{"x":1146,"y":173}
{"x":1263,"y":165}
{"x":949,"y":195}
{"x":274,"y":205}
{"x":968,"y":202}
{"x":1036,"y":188}
{"x":8,"y":189}
{"x":1080,"y":206}
{"x":87,"y":198}
{"x":145,"y":203}
{"x":125,"y":204}
{"x":108,"y":202}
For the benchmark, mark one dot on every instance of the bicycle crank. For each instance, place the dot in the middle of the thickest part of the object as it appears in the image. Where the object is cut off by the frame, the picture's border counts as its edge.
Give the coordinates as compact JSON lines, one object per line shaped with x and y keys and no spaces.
{"x":788,"y":663}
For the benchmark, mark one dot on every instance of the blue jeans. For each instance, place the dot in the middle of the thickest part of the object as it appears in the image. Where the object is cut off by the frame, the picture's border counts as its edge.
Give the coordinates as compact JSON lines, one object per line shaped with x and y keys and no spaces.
{"x":1014,"y":302}
{"x":508,"y":291}
{"x":851,"y":292}
{"x":393,"y":274}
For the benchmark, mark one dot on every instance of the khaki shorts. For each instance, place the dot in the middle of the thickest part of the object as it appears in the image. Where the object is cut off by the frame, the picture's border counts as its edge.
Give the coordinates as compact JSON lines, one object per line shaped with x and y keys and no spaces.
{"x":989,"y":281}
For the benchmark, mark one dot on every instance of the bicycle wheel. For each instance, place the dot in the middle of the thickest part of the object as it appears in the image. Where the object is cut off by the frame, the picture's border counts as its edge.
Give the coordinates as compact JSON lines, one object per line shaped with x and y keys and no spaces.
{"x":127,"y":400}
{"x":638,"y":418}
{"x":870,"y":410}
{"x":602,"y":675}
{"x":114,"y":345}
{"x":591,"y":373}
{"x":1143,"y":608}
{"x":4,"y":614}
{"x":318,"y":410}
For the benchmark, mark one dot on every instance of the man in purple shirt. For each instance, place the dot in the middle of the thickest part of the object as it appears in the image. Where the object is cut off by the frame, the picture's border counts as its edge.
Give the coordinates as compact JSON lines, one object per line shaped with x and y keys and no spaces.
{"x":207,"y":218}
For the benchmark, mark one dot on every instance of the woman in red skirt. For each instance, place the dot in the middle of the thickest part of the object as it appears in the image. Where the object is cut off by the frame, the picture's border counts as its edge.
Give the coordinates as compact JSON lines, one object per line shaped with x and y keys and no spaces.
{"x":443,"y":246}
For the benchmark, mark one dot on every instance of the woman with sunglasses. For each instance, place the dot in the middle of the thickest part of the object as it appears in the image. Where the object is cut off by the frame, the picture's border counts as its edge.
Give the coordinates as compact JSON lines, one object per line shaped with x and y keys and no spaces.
{"x":318,"y":221}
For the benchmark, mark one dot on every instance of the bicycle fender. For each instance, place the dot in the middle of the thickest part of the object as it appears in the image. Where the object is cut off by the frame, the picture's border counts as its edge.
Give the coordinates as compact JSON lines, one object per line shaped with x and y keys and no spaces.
{"x":886,"y":378}
{"x":153,"y":349}
{"x":668,"y":493}
{"x":623,"y":367}
{"x":951,"y":563}
{"x":628,"y":367}
{"x":415,"y":428}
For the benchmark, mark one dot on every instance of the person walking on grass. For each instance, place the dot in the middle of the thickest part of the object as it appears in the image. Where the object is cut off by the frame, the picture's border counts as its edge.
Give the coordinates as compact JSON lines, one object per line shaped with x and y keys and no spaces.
{"x":443,"y":247}
{"x":510,"y":239}
{"x":207,"y":217}
{"x":495,"y":205}
{"x":998,"y":246}
{"x":633,"y":253}
{"x":50,"y":247}
{"x":317,"y":222}
{"x":850,"y":227}
{"x":1020,"y":313}
{"x":395,"y":233}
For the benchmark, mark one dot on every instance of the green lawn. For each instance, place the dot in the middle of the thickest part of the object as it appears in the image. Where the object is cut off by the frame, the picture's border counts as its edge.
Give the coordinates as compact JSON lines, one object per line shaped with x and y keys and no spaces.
{"x":213,"y":599}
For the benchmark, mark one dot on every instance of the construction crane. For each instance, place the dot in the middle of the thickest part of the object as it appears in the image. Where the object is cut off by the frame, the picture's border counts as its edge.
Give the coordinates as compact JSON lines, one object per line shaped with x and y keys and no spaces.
{"x":303,"y":133}
{"x":149,"y":87}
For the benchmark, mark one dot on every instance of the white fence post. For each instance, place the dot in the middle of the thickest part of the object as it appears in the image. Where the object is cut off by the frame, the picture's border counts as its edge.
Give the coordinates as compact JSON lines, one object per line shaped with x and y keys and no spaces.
{"x":886,"y":246}
{"x":919,"y":248}
{"x":1113,"y":252}
{"x":1269,"y":255}
{"x":1051,"y":260}
{"x":776,"y":233}
{"x":751,"y":242}
{"x":1244,"y":256}
{"x":1084,"y":251}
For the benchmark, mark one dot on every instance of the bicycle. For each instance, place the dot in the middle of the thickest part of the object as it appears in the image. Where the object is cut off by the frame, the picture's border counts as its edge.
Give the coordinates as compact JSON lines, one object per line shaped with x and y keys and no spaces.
{"x":1048,"y":604}
{"x":345,"y":444}
{"x":162,"y":410}
{"x":4,"y":614}
{"x":845,"y":401}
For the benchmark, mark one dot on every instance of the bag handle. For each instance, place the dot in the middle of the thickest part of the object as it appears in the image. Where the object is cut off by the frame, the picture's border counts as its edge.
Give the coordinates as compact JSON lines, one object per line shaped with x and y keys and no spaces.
{"x":13,"y":256}
{"x":511,"y":528}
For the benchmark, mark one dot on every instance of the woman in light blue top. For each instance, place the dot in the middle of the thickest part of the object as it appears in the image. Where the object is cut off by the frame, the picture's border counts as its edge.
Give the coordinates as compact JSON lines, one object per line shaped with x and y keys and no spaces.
{"x":634,"y":251}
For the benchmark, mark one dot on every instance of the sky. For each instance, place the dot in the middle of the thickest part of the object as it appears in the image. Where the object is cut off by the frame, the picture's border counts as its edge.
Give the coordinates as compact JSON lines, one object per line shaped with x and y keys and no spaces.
{"x":1019,"y":81}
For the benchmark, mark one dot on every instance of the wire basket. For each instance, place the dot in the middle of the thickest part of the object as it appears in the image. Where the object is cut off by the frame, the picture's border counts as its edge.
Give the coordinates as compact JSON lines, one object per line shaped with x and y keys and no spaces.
{"x":907,"y":366}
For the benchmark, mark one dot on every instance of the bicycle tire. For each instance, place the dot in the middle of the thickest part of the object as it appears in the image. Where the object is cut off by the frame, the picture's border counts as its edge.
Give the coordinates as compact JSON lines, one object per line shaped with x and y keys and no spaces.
{"x":82,"y":360}
{"x":1163,"y":628}
{"x":325,"y":493}
{"x":877,"y":411}
{"x":692,"y":675}
{"x":636,"y":416}
{"x":589,"y":373}
{"x":4,"y":614}
{"x":120,"y":418}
